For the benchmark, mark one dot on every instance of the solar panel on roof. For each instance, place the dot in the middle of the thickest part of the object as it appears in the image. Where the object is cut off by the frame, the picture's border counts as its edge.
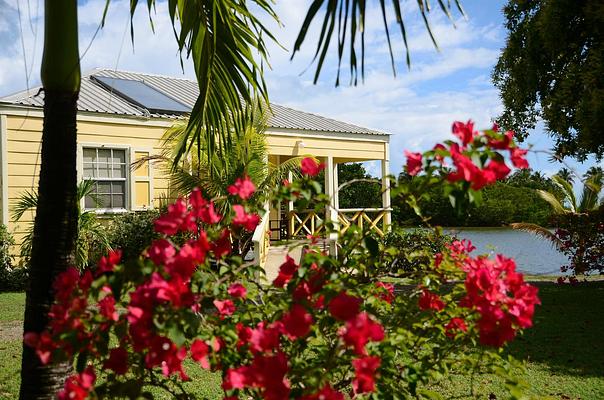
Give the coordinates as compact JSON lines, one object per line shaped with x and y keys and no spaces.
{"x":138,"y":92}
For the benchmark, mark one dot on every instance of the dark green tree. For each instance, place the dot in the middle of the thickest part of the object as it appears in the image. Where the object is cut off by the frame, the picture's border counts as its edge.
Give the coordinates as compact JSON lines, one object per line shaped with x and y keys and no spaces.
{"x":364,"y":191}
{"x":552,"y":68}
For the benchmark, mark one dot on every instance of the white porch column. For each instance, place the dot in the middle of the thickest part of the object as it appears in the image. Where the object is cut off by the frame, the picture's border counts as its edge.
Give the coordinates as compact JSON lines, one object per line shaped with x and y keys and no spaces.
{"x":336,"y":196}
{"x":290,"y":209}
{"x":331,"y":215}
{"x":386,"y":201}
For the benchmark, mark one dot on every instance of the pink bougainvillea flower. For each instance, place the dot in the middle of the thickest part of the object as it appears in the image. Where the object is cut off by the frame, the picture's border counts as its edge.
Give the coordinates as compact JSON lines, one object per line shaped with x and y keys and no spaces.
{"x":237,"y":290}
{"x":499,"y":169}
{"x":430,"y":301}
{"x":414,"y":162}
{"x":107,"y":263}
{"x":386,"y":292}
{"x":42,"y":343}
{"x":243,"y":187}
{"x":199,"y":352}
{"x":364,"y":369}
{"x":225,"y":307}
{"x":78,"y":386}
{"x":309,"y":167}
{"x":238,"y":378}
{"x":344,"y":306}
{"x":326,"y":393}
{"x":117,"y":361}
{"x":518,"y":157}
{"x":456,"y":324}
{"x":464,"y":131}
{"x":359,"y":331}
{"x":297,"y":322}
{"x":65,"y":284}
{"x":248,"y":221}
{"x":286,"y":272}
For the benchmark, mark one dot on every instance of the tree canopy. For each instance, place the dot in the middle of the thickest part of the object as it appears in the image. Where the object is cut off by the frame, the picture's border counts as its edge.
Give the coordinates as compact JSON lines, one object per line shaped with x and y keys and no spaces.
{"x":552,"y":68}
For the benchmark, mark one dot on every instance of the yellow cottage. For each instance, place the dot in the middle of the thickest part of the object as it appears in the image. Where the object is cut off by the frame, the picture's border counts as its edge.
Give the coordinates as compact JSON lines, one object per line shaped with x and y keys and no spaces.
{"x":122,"y":117}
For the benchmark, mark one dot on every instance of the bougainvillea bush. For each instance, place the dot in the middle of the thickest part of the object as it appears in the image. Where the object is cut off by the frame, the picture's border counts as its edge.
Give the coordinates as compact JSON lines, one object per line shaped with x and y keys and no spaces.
{"x":327,"y":327}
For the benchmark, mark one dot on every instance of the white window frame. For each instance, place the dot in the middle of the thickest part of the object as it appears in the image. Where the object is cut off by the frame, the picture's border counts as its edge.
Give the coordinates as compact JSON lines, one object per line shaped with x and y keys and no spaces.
{"x":129,"y":187}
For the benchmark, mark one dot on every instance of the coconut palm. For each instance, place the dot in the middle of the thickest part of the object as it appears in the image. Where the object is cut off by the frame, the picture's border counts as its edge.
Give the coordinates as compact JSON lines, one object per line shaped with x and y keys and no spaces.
{"x":91,"y":234}
{"x":569,"y":204}
{"x":567,"y":175}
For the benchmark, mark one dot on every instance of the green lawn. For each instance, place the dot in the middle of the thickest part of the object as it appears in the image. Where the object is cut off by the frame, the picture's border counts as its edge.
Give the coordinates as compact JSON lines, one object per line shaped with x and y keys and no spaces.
{"x":564,"y":352}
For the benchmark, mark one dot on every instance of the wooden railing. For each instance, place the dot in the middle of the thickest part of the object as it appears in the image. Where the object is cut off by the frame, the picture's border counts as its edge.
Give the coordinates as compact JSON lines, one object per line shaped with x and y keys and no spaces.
{"x":309,"y":222}
{"x":372,"y":219}
{"x":262,"y":239}
{"x":306,"y":222}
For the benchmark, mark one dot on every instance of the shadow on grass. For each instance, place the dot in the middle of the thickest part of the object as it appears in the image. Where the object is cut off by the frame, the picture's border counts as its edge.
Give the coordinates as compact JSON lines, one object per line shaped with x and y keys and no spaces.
{"x":568,"y":335}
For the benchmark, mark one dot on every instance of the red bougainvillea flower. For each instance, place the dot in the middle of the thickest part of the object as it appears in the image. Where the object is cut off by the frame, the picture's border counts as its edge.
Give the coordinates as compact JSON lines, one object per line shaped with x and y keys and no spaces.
{"x":359,"y":331}
{"x":107,"y":308}
{"x":42,"y":343}
{"x":502,"y":144}
{"x":163,"y":352}
{"x":66,"y":283}
{"x":248,"y":221}
{"x":117,"y":361}
{"x":237,"y":290}
{"x":243,"y":187}
{"x":517,"y":156}
{"x":297,"y":322}
{"x":459,"y":247}
{"x":225,"y":307}
{"x":199,"y":352}
{"x":465,"y":132}
{"x":498,"y":168}
{"x":238,"y":378}
{"x":222,"y":246}
{"x":456,"y":324}
{"x":286,"y":272}
{"x":326,"y":393}
{"x":265,"y":372}
{"x":108,"y":262}
{"x":265,"y":337}
{"x":78,"y":386}
{"x":430,"y":301}
{"x":386,"y":292}
{"x":501,"y":297}
{"x":177,"y":219}
{"x":344,"y":306}
{"x":414,"y":162}
{"x":309,"y":167}
{"x":364,"y":369}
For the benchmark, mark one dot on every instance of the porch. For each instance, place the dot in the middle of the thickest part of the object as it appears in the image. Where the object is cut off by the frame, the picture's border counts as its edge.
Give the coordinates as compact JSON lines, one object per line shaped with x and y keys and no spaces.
{"x":285,"y":223}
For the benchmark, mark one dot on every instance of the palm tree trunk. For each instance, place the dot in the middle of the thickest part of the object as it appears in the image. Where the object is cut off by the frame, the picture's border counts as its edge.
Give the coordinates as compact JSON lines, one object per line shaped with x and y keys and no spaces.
{"x":55,"y":225}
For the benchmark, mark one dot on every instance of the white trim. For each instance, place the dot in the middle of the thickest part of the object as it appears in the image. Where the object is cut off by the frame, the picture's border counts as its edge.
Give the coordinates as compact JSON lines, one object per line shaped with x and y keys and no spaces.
{"x":4,"y":168}
{"x":386,"y":199}
{"x":301,"y":134}
{"x":80,"y":165}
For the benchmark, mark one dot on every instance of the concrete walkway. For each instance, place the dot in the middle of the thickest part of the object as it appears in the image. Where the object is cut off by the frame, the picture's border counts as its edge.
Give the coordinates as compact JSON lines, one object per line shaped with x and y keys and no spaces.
{"x":276,"y":257}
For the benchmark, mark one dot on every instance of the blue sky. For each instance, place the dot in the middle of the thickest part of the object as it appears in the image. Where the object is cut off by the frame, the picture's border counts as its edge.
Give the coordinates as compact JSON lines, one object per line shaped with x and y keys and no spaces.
{"x":417,"y":107}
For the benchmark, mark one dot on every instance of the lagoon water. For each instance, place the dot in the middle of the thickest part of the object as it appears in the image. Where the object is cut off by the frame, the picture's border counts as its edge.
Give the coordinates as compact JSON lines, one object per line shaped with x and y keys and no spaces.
{"x":533,"y":254}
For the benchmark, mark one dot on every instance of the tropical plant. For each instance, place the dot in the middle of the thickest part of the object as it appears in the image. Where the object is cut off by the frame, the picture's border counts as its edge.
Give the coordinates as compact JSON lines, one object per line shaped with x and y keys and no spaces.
{"x":91,"y":233}
{"x":569,"y":204}
{"x":567,"y":175}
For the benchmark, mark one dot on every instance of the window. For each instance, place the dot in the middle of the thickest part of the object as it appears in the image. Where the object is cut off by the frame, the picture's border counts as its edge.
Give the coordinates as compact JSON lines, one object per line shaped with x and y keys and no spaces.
{"x":107,"y":168}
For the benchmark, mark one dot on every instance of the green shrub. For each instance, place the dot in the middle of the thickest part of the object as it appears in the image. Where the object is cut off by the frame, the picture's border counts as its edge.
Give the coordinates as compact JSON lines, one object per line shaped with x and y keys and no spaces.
{"x":132,"y":232}
{"x":412,"y":247}
{"x":12,"y":279}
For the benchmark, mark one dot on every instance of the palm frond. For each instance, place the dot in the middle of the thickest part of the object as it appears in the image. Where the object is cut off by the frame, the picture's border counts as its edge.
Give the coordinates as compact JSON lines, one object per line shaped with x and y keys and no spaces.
{"x":590,"y":193}
{"x":28,"y":200}
{"x":552,"y":201}
{"x":568,"y":190}
{"x":349,"y":18}
{"x":539,"y":231}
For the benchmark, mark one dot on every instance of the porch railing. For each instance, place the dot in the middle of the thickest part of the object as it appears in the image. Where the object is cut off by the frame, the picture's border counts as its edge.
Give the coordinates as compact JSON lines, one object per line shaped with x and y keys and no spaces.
{"x":309,"y":222}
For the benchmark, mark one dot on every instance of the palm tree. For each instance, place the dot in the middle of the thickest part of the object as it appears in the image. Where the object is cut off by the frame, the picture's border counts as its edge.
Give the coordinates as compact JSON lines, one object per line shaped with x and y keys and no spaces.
{"x":567,"y":175}
{"x":225,"y":41}
{"x":91,"y":236}
{"x":569,"y":204}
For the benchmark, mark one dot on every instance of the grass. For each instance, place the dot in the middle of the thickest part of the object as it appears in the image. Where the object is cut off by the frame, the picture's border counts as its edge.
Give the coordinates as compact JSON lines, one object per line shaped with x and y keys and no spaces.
{"x":563,"y":353}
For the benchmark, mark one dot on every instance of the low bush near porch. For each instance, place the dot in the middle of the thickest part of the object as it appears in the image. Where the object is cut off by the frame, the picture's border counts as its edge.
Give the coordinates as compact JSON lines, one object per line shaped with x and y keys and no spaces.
{"x":326,"y":326}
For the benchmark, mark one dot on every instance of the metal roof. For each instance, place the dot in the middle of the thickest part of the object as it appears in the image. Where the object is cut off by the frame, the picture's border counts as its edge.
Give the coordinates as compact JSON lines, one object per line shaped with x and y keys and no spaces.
{"x":98,"y":99}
